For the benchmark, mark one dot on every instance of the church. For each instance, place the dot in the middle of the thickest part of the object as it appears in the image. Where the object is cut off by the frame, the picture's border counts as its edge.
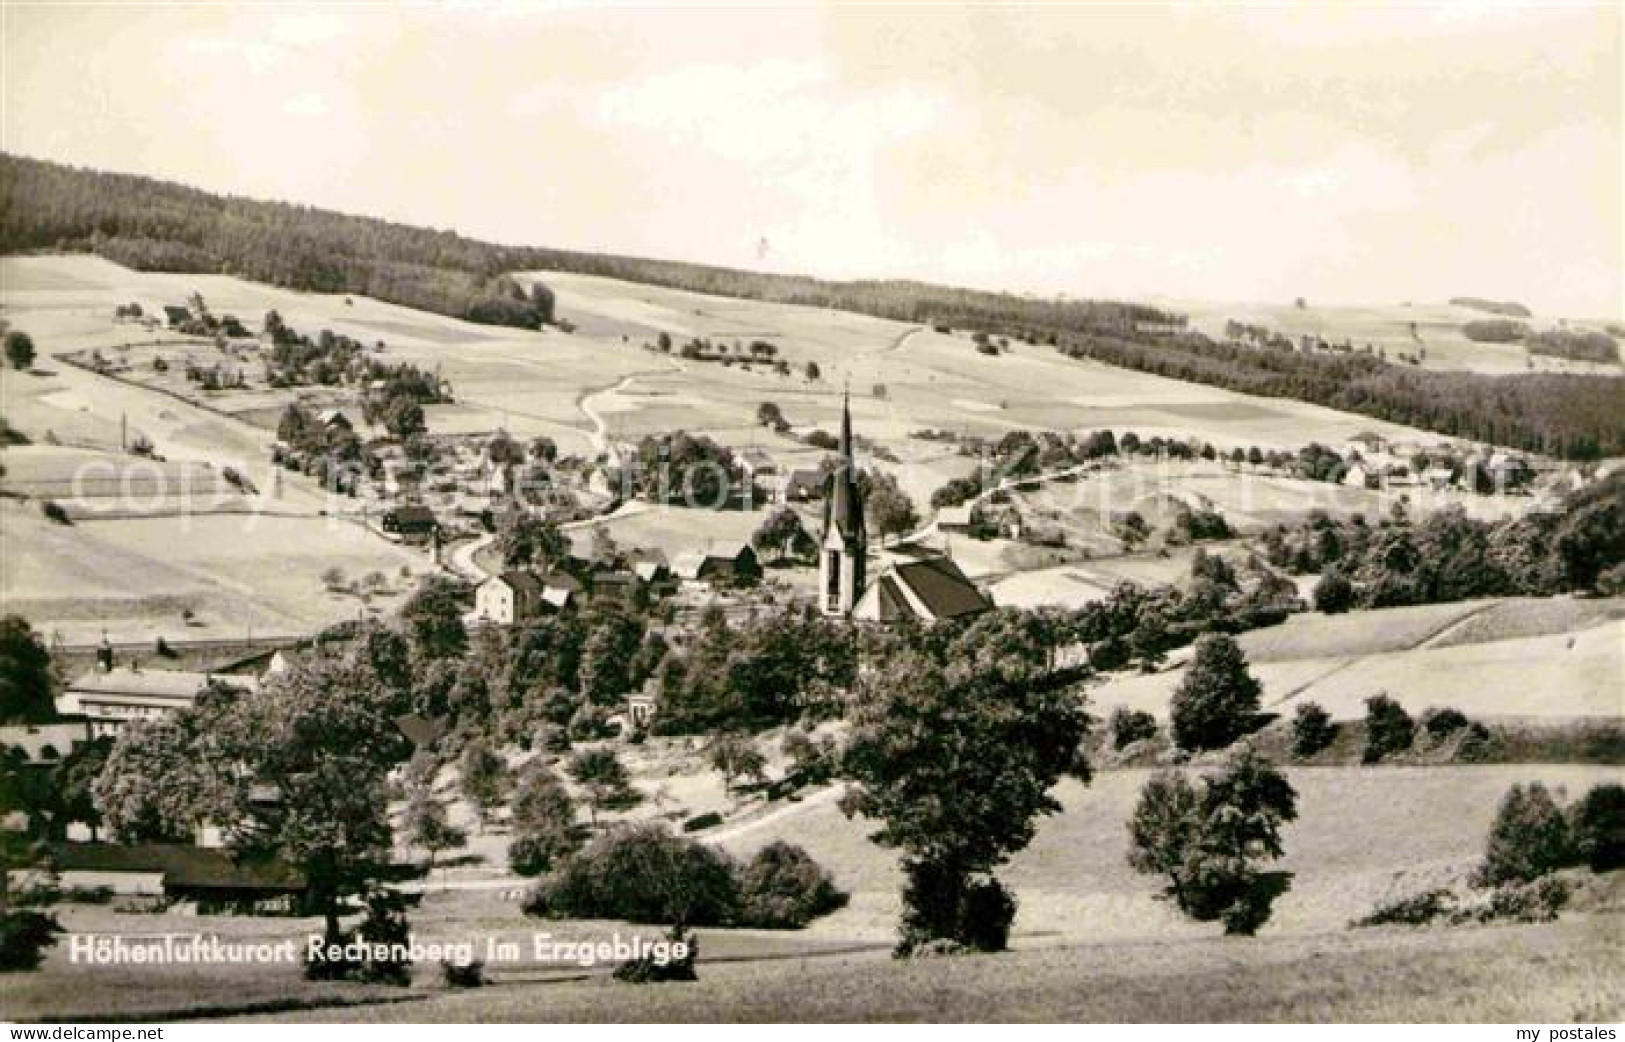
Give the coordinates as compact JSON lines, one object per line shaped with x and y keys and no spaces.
{"x":914,"y":582}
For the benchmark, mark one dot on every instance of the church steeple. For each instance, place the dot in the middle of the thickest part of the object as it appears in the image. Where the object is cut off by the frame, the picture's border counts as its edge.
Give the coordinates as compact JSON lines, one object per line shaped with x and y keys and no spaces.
{"x":845,"y":543}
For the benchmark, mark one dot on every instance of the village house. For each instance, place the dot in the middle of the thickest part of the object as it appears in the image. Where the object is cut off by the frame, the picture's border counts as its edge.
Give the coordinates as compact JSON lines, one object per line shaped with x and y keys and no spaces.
{"x":955,"y":520}
{"x":512,"y":597}
{"x":211,"y":878}
{"x":720,"y":563}
{"x":110,"y":696}
{"x":412,"y":519}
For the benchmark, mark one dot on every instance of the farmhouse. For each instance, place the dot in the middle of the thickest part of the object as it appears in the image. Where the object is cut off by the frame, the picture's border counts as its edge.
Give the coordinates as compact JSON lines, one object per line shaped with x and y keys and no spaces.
{"x":111,"y":696}
{"x":723,"y":562}
{"x":411,"y":519}
{"x":177,"y":872}
{"x":803,"y":485}
{"x":1361,"y":476}
{"x":334,"y":419}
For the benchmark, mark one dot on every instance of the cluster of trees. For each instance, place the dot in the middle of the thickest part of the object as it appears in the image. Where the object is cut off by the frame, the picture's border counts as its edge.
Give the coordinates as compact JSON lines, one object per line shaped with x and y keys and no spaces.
{"x":1507,"y":308}
{"x":1568,"y":415}
{"x":1449,"y":556}
{"x":1578,"y":345}
{"x":1571,"y":344}
{"x":332,"y":452}
{"x":644,"y":874}
{"x":689,"y":468}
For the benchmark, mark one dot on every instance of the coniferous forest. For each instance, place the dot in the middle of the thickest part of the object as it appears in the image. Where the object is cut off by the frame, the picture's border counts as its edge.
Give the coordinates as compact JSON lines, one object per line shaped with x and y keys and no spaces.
{"x":158,"y":226}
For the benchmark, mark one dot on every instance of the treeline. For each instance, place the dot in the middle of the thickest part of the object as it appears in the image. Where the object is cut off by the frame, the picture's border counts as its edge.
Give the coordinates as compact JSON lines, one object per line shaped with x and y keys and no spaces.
{"x":1571,"y":416}
{"x":154,"y":225}
{"x":1508,"y":308}
{"x":1577,"y":346}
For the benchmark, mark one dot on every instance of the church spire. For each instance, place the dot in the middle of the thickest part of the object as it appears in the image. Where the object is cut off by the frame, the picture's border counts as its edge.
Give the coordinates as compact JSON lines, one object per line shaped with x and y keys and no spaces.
{"x":845,"y":543}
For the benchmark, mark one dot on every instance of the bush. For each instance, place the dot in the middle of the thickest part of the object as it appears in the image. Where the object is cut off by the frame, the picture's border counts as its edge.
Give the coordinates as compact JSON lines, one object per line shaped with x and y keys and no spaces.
{"x":1215,"y":702}
{"x":710,"y":819}
{"x":1388,"y":728}
{"x":55,"y":512}
{"x":1417,"y":910}
{"x":1529,"y":839}
{"x":940,"y":905}
{"x":1312,"y":730}
{"x":653,"y":969}
{"x":1533,"y":902}
{"x":24,"y":936}
{"x":471,"y":975}
{"x":532,"y":855}
{"x":1597,"y":827}
{"x":384,"y":925}
{"x":782,"y":888}
{"x":1130,"y":726}
{"x":642,"y":874}
{"x":1442,"y":723}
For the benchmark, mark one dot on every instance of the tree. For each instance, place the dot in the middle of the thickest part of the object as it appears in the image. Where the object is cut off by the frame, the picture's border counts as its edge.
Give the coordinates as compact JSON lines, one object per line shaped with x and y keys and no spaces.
{"x":813,"y":372}
{"x":734,"y":756}
{"x":1215,"y":702}
{"x":434,"y":618}
{"x":427,"y":825}
{"x":886,"y":507}
{"x":1334,"y":594}
{"x":26,"y":681}
{"x":1597,"y":827}
{"x":1130,"y":726}
{"x":605,"y":781}
{"x":544,"y":821}
{"x":954,"y":749}
{"x":1529,"y":839}
{"x":19,"y":349}
{"x":1208,"y":844}
{"x":783,"y":888}
{"x":1312,"y":730}
{"x":527,"y":541}
{"x":783,"y":535}
{"x":484,"y":778}
{"x":1388,"y":728}
{"x":403,"y":417}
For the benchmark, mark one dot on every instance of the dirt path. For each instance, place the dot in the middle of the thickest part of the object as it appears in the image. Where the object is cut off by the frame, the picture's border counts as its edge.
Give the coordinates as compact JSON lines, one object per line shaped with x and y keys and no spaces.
{"x":584,"y":401}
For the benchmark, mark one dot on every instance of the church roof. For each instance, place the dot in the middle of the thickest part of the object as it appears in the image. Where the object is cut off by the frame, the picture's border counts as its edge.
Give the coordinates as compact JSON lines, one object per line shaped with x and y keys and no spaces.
{"x":927,"y":588}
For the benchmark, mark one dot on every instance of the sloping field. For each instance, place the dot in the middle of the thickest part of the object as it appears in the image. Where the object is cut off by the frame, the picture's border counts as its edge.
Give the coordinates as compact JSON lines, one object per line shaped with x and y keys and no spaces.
{"x":1363,"y":835}
{"x":134,"y":578}
{"x":1551,"y":677}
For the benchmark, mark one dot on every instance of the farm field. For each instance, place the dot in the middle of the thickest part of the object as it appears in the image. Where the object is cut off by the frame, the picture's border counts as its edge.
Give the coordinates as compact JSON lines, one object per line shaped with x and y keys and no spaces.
{"x":1438,"y":331}
{"x":134,"y":578}
{"x":1557,"y":972}
{"x":1569,"y":673}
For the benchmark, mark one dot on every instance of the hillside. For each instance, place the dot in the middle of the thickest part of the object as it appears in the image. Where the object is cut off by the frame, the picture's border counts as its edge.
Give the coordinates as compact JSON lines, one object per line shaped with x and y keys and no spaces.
{"x":158,"y":226}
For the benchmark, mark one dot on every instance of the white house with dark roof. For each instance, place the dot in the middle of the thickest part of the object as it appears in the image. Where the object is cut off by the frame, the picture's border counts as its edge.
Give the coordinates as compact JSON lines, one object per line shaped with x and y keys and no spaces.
{"x":112,"y":696}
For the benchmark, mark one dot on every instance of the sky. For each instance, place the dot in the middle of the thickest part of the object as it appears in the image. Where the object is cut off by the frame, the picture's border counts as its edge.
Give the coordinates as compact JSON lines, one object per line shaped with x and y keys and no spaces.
{"x":1347,"y":154}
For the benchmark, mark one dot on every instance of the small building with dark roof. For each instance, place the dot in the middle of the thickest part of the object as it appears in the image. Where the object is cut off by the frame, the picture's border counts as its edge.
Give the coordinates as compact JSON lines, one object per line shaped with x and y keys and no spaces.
{"x":177,"y":871}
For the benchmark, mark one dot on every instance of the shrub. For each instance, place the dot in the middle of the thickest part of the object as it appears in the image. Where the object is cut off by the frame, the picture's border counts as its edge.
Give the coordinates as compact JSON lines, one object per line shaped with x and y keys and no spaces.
{"x":710,"y":819}
{"x":940,"y":906}
{"x":782,"y":888}
{"x":642,"y":874}
{"x":1416,"y":910}
{"x":384,"y":927}
{"x":1529,"y":839}
{"x":1533,"y":902}
{"x":471,"y":975}
{"x":1597,"y":827}
{"x":1312,"y":730}
{"x":24,"y":936}
{"x":666,"y":966}
{"x":1388,"y":728}
{"x":55,"y":512}
{"x":1442,"y":723}
{"x":1215,"y":702}
{"x":1130,"y":726}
